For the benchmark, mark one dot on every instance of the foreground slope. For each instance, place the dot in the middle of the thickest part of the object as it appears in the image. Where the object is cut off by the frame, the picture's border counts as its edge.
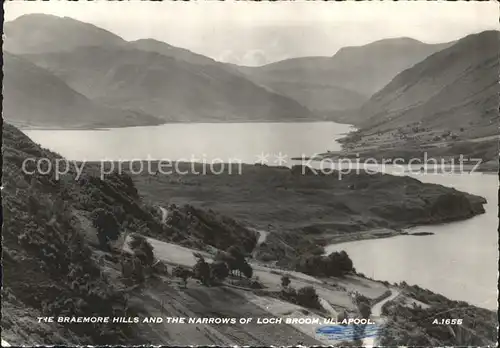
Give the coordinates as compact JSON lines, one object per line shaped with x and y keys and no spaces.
{"x":49,"y":253}
{"x":33,"y":97}
{"x":346,"y":80}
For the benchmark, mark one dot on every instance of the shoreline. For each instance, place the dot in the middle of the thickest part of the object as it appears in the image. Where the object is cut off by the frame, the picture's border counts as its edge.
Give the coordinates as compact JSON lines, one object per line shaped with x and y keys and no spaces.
{"x":336,"y":158}
{"x":370,"y":235}
{"x":107,"y":128}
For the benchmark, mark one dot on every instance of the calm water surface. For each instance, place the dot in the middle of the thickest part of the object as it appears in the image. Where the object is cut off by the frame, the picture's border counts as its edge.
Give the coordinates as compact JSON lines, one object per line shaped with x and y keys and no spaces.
{"x":184,"y":141}
{"x":459,"y":261}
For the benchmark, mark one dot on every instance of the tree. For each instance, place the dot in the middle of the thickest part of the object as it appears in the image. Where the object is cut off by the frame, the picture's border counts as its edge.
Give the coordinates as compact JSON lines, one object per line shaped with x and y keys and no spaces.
{"x":219,"y":270}
{"x":342,"y":316}
{"x":107,"y":227}
{"x":235,"y":259}
{"x":182,"y":273}
{"x":308,"y":297}
{"x":236,"y":253}
{"x":230,"y":260}
{"x":336,"y":264}
{"x":285,"y":281}
{"x":133,"y":269}
{"x":142,"y":249}
{"x":289,"y":294}
{"x":201,"y":271}
{"x":364,"y":310}
{"x":246,"y":269}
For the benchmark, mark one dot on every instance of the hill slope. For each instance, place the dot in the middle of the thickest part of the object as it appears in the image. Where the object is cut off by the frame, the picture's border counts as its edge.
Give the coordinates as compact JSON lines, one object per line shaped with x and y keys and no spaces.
{"x":446,"y":105}
{"x":458,"y":84}
{"x":152,"y":45}
{"x":166,"y":87}
{"x":345,"y":80}
{"x":147,"y":76}
{"x":33,"y":97}
{"x":50,"y":255}
{"x":37,"y":33}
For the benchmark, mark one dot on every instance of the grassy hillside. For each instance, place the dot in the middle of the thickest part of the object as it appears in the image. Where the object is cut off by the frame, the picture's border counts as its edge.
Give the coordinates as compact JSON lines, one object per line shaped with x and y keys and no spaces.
{"x":49,"y":247}
{"x":146,"y":76}
{"x":411,"y":316}
{"x":33,"y":97}
{"x":451,"y":89}
{"x":446,"y":105}
{"x":173,"y":90}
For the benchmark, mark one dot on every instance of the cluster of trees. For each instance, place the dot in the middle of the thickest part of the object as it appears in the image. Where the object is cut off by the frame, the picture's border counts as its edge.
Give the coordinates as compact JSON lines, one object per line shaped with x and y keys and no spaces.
{"x":336,"y":264}
{"x":231,"y":261}
{"x":210,"y":273}
{"x":235,"y":259}
{"x":207,"y":273}
{"x":305,"y":296}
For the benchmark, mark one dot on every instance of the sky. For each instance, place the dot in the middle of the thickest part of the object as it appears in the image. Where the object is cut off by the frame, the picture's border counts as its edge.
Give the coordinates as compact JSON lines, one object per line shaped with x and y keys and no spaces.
{"x":256,"y":33}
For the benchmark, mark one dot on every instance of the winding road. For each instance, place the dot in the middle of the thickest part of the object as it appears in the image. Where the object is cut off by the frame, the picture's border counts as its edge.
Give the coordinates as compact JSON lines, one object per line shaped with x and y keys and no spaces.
{"x":377,"y":317}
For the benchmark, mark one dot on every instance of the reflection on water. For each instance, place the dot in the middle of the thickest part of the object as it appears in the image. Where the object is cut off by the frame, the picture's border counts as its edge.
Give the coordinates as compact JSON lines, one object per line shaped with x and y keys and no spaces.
{"x":187,"y":141}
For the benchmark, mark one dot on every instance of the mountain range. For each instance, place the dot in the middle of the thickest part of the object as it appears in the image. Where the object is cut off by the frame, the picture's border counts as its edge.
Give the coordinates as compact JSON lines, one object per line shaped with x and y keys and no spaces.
{"x":33,"y":97}
{"x":345,"y":80}
{"x":60,"y":72}
{"x":146,"y":76}
{"x":456,"y":88}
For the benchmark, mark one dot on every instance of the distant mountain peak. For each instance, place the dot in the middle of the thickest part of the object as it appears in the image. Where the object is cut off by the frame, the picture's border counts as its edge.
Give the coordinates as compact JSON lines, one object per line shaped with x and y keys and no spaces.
{"x":38,"y":33}
{"x":390,"y":42}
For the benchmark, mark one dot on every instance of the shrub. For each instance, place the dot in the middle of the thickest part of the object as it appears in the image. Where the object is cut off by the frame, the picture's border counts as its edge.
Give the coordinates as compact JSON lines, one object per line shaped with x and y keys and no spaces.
{"x":201,"y":271}
{"x":246,"y":269}
{"x":219,"y":270}
{"x":289,"y":294}
{"x":256,"y":285}
{"x":183,"y":273}
{"x":107,"y":227}
{"x":336,"y":264}
{"x":285,"y":281}
{"x":133,"y":269}
{"x":308,"y":297}
{"x":364,"y":310}
{"x":142,"y":249}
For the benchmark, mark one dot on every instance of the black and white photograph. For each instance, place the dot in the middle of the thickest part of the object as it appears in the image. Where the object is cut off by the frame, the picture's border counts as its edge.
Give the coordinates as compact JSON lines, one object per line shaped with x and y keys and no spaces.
{"x":250,"y":173}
